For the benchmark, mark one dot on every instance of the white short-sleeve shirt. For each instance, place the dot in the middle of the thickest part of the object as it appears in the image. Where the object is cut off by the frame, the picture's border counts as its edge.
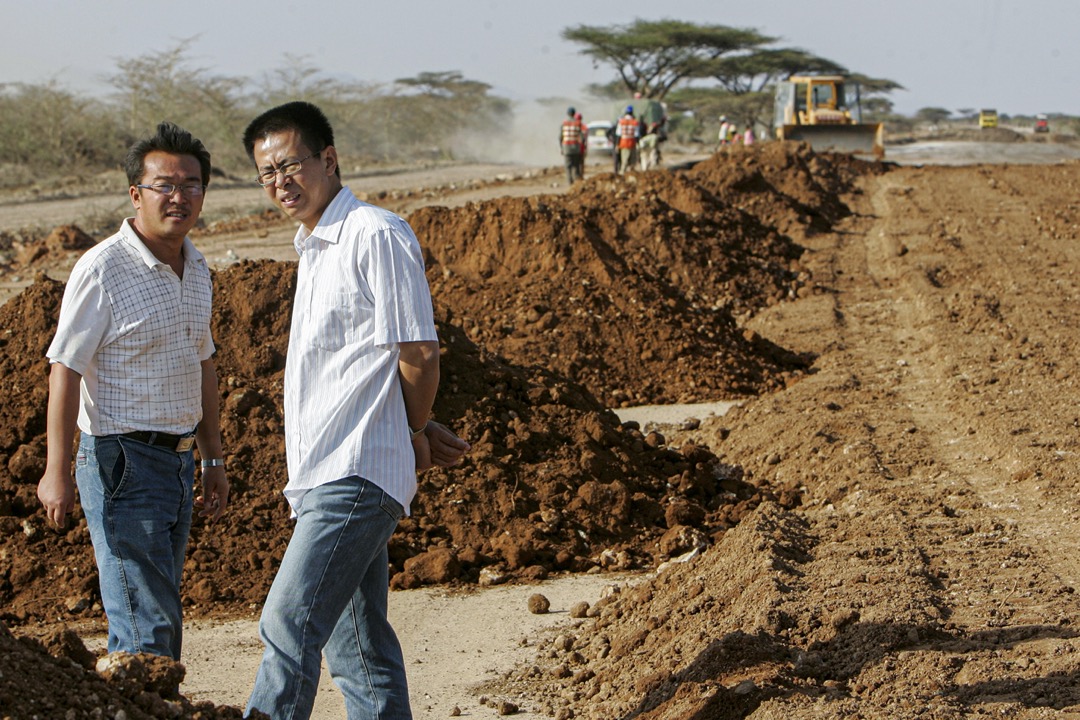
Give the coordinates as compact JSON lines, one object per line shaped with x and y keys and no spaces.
{"x":137,"y":334}
{"x":360,"y":291}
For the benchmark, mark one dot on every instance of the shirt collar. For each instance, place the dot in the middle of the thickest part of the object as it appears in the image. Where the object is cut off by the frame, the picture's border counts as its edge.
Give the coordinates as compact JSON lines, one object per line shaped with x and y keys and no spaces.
{"x":191,"y":254}
{"x":330,"y":223}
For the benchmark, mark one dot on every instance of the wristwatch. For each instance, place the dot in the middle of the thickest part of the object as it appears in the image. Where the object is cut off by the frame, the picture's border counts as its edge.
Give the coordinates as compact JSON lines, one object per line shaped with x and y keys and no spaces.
{"x":212,"y":462}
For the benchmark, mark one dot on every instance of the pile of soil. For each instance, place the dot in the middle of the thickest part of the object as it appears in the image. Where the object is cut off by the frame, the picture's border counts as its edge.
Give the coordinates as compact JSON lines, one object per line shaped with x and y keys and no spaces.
{"x":630,"y":274}
{"x":56,"y":677}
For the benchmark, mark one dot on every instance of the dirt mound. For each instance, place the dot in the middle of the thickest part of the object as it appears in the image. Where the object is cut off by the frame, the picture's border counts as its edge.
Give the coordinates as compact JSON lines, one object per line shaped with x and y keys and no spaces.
{"x":632,"y":285}
{"x":554,"y":482}
{"x":55,"y":678}
{"x":993,"y":135}
{"x":26,"y":252}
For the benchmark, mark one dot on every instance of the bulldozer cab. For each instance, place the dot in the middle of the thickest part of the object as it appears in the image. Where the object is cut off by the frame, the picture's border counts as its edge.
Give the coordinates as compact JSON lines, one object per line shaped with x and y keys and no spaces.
{"x":820,"y":99}
{"x":825,"y":111}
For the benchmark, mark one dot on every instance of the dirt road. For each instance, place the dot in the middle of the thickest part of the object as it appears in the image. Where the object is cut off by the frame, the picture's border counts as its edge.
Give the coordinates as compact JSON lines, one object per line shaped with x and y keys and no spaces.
{"x":916,"y":554}
{"x":930,"y":568}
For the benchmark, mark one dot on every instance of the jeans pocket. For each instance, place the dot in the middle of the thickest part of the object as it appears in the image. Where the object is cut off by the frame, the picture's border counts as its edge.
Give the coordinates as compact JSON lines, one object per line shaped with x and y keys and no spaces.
{"x":392,"y":507}
{"x":112,"y":468}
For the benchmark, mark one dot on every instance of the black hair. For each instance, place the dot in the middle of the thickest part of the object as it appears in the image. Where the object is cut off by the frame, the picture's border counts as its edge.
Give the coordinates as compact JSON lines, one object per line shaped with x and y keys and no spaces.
{"x":303,"y":117}
{"x":171,"y":139}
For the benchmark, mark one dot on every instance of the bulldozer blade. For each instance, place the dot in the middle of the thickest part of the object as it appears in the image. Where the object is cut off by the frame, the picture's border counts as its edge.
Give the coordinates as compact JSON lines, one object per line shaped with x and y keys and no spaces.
{"x":867,"y":138}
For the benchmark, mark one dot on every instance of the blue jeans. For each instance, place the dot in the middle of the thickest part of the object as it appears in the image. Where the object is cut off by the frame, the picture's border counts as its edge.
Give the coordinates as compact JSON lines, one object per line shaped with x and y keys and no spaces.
{"x":137,"y":500}
{"x":330,"y":595}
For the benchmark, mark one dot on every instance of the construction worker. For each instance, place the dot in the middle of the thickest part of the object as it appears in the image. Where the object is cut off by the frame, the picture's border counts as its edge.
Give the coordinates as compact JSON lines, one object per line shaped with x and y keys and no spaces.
{"x":628,"y":130}
{"x":723,"y":134}
{"x":584,"y":144}
{"x":572,"y":141}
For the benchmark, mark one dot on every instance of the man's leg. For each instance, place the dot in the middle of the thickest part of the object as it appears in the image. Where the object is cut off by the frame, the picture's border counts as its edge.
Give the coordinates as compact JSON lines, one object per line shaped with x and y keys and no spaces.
{"x":341,"y":531}
{"x":137,"y":500}
{"x":364,"y":655}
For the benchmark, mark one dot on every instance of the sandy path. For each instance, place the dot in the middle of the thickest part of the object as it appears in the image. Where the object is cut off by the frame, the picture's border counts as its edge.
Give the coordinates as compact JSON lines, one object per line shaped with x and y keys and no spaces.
{"x":452,"y":641}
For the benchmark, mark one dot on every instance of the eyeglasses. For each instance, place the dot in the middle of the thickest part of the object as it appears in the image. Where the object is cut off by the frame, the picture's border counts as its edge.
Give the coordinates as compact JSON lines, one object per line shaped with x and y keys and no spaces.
{"x":269,"y":177}
{"x":167,"y":189}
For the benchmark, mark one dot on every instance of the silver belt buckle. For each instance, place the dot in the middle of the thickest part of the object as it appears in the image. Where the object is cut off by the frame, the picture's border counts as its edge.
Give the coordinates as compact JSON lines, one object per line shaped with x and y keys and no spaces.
{"x":185,"y":444}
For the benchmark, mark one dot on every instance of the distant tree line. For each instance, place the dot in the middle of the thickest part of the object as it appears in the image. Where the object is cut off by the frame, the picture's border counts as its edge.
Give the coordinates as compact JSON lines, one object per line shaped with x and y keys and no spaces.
{"x":704,"y":71}
{"x":49,"y":130}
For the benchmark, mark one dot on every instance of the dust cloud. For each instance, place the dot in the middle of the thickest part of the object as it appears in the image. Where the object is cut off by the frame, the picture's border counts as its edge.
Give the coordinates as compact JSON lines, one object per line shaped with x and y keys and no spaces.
{"x":531,"y":137}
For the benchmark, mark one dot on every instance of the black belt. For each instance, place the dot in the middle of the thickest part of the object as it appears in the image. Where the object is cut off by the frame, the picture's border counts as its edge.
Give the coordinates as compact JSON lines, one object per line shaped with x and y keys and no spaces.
{"x":178,"y":443}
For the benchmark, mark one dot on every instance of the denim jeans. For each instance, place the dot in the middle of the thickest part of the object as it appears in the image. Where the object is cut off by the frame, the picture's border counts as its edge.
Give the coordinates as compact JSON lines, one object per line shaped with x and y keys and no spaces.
{"x":137,"y":500}
{"x":330,"y":595}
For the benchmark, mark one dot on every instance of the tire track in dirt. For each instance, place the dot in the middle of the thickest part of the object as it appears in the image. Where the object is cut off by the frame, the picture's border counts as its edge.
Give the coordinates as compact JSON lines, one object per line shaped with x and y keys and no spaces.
{"x":965,"y":385}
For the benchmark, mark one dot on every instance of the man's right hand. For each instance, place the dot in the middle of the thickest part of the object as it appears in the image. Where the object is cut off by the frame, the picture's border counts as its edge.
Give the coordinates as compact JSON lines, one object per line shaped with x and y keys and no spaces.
{"x":56,"y":491}
{"x":446,"y":448}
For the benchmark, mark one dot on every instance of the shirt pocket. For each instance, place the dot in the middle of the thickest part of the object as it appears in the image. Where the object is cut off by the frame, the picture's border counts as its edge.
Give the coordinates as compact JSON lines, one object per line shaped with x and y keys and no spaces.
{"x":336,"y":319}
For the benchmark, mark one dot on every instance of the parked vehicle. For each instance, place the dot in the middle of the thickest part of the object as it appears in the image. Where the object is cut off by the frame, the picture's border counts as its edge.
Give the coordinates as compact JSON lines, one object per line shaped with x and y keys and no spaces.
{"x":1042,"y":125}
{"x":599,"y":141}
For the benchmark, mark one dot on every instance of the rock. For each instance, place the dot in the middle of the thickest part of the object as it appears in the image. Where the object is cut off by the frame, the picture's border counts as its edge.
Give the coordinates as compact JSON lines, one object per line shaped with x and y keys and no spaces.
{"x":492,"y":575}
{"x":27,"y":464}
{"x":438,"y":565}
{"x":538,"y":604}
{"x":681,"y":539}
{"x":681,"y":511}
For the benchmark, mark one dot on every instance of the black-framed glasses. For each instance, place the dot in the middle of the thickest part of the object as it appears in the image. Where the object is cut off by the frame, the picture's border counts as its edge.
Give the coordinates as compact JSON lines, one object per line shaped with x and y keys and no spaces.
{"x":269,"y":177}
{"x":168,"y":189}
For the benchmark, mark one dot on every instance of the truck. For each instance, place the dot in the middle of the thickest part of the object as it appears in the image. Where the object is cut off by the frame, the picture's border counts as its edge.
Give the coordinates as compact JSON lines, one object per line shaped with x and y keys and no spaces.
{"x":826,"y":112}
{"x":988,"y":118}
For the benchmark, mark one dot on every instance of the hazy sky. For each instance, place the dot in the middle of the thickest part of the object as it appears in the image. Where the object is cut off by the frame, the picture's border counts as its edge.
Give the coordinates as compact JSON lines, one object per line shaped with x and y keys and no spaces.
{"x":1020,"y":56}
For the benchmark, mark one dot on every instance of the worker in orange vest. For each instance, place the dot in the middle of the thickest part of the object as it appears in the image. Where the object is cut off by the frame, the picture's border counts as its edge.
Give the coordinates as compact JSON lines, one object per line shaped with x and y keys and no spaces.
{"x":572,"y":143}
{"x":584,"y":144}
{"x":628,"y":131}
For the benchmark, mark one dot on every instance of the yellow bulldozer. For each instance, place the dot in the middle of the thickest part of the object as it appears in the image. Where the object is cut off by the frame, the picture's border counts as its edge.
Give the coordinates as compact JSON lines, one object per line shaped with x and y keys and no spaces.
{"x":825,"y":111}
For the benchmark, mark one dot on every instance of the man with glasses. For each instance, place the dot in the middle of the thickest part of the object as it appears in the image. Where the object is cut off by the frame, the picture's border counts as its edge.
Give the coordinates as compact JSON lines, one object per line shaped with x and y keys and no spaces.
{"x":361,"y":375}
{"x":132,"y":370}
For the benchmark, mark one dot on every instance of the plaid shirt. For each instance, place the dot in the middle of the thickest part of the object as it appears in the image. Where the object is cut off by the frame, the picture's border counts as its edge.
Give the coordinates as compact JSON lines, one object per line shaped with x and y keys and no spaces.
{"x":138,"y":335}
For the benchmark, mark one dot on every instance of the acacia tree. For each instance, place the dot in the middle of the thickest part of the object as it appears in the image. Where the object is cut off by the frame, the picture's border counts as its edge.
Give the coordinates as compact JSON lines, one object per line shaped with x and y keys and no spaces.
{"x":163,"y":85}
{"x":652,"y":57}
{"x":757,"y":71}
{"x":933,"y":115}
{"x":49,"y":128}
